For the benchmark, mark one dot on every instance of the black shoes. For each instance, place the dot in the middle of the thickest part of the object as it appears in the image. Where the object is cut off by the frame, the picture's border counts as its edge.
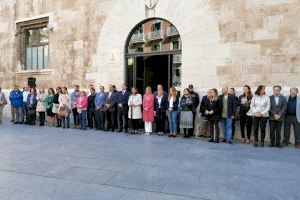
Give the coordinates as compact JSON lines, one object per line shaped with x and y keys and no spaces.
{"x":255,"y":144}
{"x":261,"y":144}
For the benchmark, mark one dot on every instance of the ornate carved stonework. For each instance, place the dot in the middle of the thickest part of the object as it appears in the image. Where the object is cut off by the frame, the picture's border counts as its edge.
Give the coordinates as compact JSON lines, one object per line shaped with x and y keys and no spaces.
{"x":150,"y":3}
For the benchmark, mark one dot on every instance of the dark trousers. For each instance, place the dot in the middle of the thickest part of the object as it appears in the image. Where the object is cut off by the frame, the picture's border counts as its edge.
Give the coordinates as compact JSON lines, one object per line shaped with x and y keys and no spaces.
{"x":291,"y":120}
{"x":213,"y":125}
{"x":275,"y":132}
{"x":233,"y":128}
{"x":135,"y":124}
{"x":260,"y":122}
{"x":75,"y":116}
{"x":25,"y":114}
{"x":160,"y":121}
{"x":191,"y":130}
{"x":91,"y":117}
{"x":42,"y":117}
{"x":100,"y":120}
{"x":246,"y":121}
{"x":110,"y":120}
{"x":31,"y":116}
{"x":123,"y":118}
{"x":58,"y":121}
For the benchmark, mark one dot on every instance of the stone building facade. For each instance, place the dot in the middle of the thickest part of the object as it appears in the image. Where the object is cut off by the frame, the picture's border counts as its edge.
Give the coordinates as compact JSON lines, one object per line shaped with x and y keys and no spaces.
{"x":233,"y":42}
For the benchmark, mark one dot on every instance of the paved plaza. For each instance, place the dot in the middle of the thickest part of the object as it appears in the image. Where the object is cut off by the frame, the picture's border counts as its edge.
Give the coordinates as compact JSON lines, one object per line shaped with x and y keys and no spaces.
{"x":55,"y":164}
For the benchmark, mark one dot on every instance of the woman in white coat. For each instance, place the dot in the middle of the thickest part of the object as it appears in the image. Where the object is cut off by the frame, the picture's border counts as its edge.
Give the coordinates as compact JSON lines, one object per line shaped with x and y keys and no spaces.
{"x":41,"y":106}
{"x":135,"y":109}
{"x":64,"y":109}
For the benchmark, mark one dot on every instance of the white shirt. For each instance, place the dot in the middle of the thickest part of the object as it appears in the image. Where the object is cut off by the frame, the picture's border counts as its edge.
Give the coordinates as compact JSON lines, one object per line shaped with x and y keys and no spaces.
{"x":159,"y":98}
{"x":171,"y":102}
{"x":25,"y":95}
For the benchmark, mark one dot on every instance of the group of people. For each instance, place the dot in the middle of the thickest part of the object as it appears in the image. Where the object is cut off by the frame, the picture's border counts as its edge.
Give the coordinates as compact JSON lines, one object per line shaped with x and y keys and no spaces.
{"x":114,"y":110}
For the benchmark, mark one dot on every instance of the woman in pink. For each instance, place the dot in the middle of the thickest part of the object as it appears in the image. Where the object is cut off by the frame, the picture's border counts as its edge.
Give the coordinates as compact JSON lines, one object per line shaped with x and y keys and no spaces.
{"x":148,"y":110}
{"x":81,"y":104}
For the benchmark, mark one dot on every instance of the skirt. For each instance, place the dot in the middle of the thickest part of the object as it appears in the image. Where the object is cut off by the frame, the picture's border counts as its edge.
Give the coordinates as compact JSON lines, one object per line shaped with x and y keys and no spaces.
{"x":49,"y":112}
{"x":186,"y":119}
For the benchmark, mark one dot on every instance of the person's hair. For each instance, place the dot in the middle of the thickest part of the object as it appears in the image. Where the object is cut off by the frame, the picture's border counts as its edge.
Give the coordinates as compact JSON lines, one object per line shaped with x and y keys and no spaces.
{"x":294,"y":88}
{"x":16,"y":86}
{"x":125,"y":85}
{"x":34,"y":90}
{"x":77,"y":86}
{"x":259,"y":89}
{"x":135,"y":88}
{"x":233,"y":90}
{"x":159,"y":85}
{"x":65,"y":89}
{"x":215,"y":97}
{"x":187,"y":89}
{"x":249,"y":93}
{"x":173,"y":89}
{"x":93,"y":89}
{"x":277,"y":86}
{"x":51,"y":89}
{"x":148,"y":88}
{"x":83,"y":92}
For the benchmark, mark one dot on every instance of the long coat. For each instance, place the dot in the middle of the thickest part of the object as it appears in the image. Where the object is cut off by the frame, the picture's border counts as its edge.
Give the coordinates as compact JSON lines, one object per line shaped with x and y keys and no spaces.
{"x":135,"y":104}
{"x":41,"y":104}
{"x":148,"y":108}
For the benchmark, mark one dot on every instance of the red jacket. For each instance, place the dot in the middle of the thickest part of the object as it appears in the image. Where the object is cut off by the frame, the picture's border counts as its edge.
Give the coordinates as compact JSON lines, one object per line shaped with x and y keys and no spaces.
{"x":148,"y":108}
{"x":82,"y":103}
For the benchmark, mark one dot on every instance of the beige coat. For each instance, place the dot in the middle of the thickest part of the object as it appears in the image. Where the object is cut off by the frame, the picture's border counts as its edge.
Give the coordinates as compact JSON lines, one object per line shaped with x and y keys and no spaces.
{"x":135,"y":106}
{"x":41,"y":103}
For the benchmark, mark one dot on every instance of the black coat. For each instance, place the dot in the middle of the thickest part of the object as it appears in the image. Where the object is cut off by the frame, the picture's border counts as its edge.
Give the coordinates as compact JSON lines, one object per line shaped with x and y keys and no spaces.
{"x":91,"y":102}
{"x":231,"y":105}
{"x":202,"y":105}
{"x":195,"y":99}
{"x":186,"y":103}
{"x":212,"y":105}
{"x":163,"y":104}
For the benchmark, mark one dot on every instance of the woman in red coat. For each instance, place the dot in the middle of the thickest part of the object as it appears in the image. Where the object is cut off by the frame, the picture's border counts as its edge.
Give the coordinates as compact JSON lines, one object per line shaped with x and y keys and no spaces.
{"x":148,"y":110}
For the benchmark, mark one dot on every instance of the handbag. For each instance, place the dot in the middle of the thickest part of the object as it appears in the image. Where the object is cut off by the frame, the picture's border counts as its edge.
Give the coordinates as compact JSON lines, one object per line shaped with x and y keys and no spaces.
{"x":61,"y":112}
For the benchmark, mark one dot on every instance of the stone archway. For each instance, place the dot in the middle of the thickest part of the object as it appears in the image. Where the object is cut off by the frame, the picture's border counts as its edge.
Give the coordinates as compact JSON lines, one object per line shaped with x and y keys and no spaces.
{"x":196,"y":23}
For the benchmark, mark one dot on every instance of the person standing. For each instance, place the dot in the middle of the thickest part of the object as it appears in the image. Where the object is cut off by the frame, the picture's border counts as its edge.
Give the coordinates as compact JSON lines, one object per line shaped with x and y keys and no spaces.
{"x":243,"y":108}
{"x":26,"y":92}
{"x":74,"y":95}
{"x":41,"y":106}
{"x":172,"y":105}
{"x":122,"y":108}
{"x":100,"y":109}
{"x":110,"y":108}
{"x":228,"y":110}
{"x":212,"y":110}
{"x":277,"y":114}
{"x":259,"y":110}
{"x":135,"y":109}
{"x":64,"y":109}
{"x":160,"y":108}
{"x":232,"y":93}
{"x":3,"y":103}
{"x":31,"y":106}
{"x":82,"y":104}
{"x":203,"y":122}
{"x":56,"y":106}
{"x":148,"y":110}
{"x":186,"y":113}
{"x":50,"y":108}
{"x":195,"y":100}
{"x":292,"y":118}
{"x":16,"y":99}
{"x":91,"y":109}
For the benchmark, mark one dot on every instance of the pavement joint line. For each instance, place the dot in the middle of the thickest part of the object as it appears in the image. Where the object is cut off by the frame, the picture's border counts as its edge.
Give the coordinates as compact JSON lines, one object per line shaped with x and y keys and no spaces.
{"x":109,"y":185}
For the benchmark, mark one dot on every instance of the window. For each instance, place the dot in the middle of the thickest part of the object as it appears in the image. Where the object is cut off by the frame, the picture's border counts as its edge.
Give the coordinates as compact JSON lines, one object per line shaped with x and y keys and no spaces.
{"x":156,"y":47}
{"x":36,"y":48}
{"x":175,"y":45}
{"x":156,"y":27}
{"x":139,"y":50}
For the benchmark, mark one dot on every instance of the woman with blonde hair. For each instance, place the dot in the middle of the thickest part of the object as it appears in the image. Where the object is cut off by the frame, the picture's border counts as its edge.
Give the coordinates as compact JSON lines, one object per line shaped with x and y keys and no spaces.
{"x":64,"y":107}
{"x":172,"y":104}
{"x":148,"y":110}
{"x":41,"y":106}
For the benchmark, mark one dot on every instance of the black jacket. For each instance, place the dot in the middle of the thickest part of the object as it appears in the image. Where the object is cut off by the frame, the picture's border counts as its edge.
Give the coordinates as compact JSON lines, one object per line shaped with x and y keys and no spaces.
{"x":195,"y":99}
{"x":231,"y":105}
{"x":202,"y":105}
{"x":175,"y":104}
{"x":243,"y":106}
{"x":91,"y":102}
{"x":163,"y":104}
{"x":186,"y":103}
{"x":212,"y":105}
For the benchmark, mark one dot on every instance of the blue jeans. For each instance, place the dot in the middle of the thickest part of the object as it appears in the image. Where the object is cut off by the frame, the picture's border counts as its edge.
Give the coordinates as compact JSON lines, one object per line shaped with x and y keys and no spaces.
{"x":226,"y":124}
{"x":172,"y":117}
{"x":83,"y":119}
{"x":64,"y":119}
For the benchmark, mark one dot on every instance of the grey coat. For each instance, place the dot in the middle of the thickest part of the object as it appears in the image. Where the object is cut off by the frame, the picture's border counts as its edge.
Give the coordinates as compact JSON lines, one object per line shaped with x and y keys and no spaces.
{"x":279,"y":109}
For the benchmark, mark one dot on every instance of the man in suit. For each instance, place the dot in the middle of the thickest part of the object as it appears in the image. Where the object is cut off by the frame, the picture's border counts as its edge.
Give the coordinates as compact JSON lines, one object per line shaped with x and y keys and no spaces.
{"x":110,"y":108}
{"x":228,"y":106}
{"x":277,"y":113}
{"x":122,"y":107}
{"x":100,"y":109}
{"x":292,"y":118}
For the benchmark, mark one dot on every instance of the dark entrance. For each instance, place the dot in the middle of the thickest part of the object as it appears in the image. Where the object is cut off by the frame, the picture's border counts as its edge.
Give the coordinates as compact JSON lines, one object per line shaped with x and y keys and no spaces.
{"x":153,"y":55}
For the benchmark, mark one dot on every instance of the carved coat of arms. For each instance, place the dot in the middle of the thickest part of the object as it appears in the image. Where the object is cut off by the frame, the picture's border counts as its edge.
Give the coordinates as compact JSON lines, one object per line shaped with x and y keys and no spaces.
{"x":150,"y":3}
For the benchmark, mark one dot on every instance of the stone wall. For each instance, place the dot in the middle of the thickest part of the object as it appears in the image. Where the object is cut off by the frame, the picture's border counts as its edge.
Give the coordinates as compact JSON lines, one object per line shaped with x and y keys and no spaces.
{"x":224,"y":41}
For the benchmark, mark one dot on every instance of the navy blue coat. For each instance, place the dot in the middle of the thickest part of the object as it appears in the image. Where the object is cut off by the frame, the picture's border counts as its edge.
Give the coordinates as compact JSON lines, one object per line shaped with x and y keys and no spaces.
{"x":123,"y":98}
{"x":163,"y":104}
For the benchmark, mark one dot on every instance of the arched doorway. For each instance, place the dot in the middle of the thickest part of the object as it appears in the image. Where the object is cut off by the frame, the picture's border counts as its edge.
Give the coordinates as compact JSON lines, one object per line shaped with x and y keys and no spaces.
{"x":153,"y":55}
